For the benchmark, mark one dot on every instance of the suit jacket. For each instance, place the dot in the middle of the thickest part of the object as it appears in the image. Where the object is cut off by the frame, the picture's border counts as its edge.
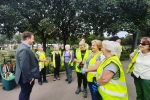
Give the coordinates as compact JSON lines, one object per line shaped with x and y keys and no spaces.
{"x":26,"y":64}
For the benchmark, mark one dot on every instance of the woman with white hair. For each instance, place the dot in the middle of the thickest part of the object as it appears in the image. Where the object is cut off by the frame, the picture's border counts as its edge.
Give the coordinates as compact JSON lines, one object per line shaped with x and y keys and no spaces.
{"x":110,"y":79}
{"x":67,"y":58}
{"x":42,"y":59}
{"x":56,"y":60}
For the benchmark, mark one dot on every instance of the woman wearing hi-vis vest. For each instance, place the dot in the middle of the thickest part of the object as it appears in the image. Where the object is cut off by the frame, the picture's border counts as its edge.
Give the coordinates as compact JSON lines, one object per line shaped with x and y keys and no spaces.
{"x":91,"y":66}
{"x":141,"y":71}
{"x":81,"y":55}
{"x":67,"y":59}
{"x":42,"y":59}
{"x":56,"y":62}
{"x":110,"y":80}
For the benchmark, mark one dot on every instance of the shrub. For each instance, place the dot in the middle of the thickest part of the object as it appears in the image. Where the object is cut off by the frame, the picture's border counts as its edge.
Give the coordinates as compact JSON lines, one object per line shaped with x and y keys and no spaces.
{"x":124,"y":56}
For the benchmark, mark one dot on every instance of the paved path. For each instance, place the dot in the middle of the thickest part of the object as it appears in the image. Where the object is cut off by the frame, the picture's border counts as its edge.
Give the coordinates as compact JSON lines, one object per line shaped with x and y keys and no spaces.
{"x":60,"y":90}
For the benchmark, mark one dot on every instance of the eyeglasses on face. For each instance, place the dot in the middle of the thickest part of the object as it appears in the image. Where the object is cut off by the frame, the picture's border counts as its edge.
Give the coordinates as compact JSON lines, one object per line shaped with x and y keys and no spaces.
{"x":143,"y":44}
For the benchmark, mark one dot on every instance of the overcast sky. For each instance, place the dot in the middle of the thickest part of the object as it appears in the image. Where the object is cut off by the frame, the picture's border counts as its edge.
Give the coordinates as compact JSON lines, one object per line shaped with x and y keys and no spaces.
{"x":120,"y":34}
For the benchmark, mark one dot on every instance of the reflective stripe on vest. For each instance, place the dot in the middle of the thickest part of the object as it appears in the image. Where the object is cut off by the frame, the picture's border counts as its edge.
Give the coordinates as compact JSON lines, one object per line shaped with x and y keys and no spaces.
{"x":92,"y":73}
{"x":118,"y":94}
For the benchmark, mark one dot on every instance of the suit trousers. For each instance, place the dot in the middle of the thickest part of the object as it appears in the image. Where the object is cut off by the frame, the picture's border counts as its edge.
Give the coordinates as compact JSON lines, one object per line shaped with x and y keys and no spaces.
{"x":42,"y":73}
{"x":68,"y":72}
{"x":26,"y":89}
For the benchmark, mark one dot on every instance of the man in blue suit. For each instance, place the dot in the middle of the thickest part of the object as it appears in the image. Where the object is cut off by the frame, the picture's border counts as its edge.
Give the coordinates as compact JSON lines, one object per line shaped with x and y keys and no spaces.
{"x":27,"y":68}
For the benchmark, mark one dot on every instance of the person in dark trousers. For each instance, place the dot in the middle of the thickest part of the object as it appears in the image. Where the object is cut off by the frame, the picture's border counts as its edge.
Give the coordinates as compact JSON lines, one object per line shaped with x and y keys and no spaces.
{"x":42,"y":59}
{"x":27,"y":67}
{"x":81,"y":56}
{"x":56,"y":62}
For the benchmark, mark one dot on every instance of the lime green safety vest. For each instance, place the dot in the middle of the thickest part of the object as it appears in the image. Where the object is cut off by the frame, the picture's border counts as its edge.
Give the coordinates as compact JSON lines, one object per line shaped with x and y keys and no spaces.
{"x":41,"y":56}
{"x":70,"y":61}
{"x":92,"y":63}
{"x":115,"y":89}
{"x":131,"y":64}
{"x":54,"y":62}
{"x":79,"y":57}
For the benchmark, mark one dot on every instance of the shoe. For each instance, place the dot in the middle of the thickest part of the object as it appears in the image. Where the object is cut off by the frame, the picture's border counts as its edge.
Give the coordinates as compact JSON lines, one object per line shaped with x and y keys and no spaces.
{"x":66,"y":80}
{"x":45,"y":81}
{"x":78,"y":90}
{"x":54,"y":79}
{"x":69,"y":82}
{"x":85,"y":93}
{"x":58,"y":78}
{"x":40,"y":83}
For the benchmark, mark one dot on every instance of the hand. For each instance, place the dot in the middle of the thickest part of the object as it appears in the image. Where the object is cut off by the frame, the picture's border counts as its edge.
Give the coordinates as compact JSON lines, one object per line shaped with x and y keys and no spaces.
{"x":94,"y":88}
{"x":45,"y":60}
{"x":83,"y":62}
{"x":95,"y":82}
{"x":83,"y":71}
{"x":31,"y":81}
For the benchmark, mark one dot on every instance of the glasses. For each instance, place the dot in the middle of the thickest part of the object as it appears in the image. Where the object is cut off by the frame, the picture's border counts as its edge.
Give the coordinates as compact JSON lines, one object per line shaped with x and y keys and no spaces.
{"x":143,"y":44}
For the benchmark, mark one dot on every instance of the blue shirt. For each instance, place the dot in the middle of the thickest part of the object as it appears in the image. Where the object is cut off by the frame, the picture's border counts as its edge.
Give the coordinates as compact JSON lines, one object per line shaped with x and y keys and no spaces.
{"x":26,"y":44}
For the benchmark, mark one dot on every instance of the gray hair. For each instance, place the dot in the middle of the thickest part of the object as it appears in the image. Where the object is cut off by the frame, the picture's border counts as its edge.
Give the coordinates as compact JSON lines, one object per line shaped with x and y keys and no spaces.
{"x":67,"y":45}
{"x":113,"y":47}
{"x":81,"y":43}
{"x":40,"y":46}
{"x":56,"y":46}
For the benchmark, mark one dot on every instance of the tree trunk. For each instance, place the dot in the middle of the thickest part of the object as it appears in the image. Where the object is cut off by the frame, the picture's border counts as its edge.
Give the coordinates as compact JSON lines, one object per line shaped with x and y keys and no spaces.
{"x":44,"y":42}
{"x":64,"y":40}
{"x":135,"y":39}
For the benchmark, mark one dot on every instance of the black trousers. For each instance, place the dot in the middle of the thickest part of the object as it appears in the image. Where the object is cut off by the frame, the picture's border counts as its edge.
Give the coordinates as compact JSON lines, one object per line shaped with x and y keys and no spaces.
{"x":42,"y":73}
{"x":56,"y":72}
{"x":81,"y":77}
{"x":26,"y":89}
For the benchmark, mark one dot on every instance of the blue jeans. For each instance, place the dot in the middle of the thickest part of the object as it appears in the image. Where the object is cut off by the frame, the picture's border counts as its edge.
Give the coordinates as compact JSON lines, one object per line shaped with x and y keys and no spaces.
{"x":94,"y":95}
{"x":68,"y":72}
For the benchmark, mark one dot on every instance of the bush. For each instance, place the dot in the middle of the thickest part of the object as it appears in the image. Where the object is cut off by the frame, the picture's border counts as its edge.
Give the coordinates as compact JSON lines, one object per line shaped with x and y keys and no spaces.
{"x":124,"y":56}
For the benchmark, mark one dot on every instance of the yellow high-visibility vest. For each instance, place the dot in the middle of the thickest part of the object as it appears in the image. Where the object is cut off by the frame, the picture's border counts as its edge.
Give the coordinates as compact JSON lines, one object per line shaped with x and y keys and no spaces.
{"x":92,"y":63}
{"x":115,"y":89}
{"x":54,"y":62}
{"x":79,"y":57}
{"x":131,"y":64}
{"x":41,"y":56}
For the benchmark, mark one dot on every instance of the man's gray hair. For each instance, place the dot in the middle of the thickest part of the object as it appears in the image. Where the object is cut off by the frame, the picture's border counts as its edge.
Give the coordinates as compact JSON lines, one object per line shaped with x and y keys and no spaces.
{"x":113,"y":47}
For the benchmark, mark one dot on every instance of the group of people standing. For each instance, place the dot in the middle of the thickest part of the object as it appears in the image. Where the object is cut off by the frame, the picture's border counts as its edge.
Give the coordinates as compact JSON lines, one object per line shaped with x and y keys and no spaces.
{"x":99,"y":68}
